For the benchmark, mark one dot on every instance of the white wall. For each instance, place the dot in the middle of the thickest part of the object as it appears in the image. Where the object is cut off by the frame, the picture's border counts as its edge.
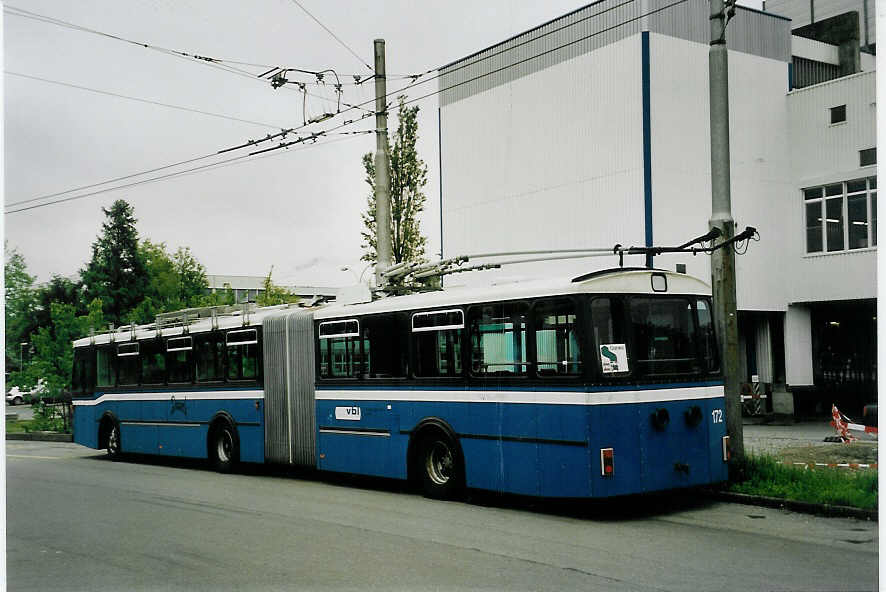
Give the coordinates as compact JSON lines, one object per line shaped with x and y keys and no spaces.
{"x":824,"y":153}
{"x":549,"y":161}
{"x":758,"y":159}
{"x":798,"y":346}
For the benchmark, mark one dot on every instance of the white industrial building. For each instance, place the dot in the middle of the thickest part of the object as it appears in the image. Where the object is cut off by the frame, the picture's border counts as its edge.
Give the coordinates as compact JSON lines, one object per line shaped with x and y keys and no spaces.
{"x":593,"y":129}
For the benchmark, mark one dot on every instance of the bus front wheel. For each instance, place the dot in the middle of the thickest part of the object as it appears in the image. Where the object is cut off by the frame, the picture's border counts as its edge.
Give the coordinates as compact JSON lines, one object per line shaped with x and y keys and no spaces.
{"x":224,"y":447}
{"x":440,"y":467}
{"x":114,"y":441}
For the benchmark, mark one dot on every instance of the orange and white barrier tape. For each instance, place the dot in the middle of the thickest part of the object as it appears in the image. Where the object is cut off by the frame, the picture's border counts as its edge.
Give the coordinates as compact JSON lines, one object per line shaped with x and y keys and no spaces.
{"x":843,"y":425}
{"x":812,"y":465}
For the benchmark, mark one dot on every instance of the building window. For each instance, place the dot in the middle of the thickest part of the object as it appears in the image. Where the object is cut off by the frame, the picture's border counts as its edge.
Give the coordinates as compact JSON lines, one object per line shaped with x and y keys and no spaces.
{"x":867,"y":157}
{"x":841,"y":216}
{"x":838,"y":114}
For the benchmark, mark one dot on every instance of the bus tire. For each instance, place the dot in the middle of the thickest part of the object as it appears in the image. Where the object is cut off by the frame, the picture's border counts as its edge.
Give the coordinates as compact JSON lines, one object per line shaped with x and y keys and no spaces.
{"x":224,"y":446}
{"x":113,"y":443}
{"x":440,"y":466}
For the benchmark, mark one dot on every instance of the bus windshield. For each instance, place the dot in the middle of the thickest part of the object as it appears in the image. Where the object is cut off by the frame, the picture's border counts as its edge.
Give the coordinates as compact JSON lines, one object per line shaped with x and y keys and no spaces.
{"x":663,"y":332}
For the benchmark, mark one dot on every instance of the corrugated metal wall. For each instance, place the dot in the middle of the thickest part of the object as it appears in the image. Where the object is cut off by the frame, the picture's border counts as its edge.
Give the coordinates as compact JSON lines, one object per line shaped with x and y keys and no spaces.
{"x":575,"y":34}
{"x":800,"y":12}
{"x":290,"y":423}
{"x":809,"y":72}
{"x":543,"y":161}
{"x":604,"y":23}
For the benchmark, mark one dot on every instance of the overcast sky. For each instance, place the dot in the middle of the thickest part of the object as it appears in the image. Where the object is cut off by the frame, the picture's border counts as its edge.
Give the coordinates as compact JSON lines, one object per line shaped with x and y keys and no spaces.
{"x":298,"y":210}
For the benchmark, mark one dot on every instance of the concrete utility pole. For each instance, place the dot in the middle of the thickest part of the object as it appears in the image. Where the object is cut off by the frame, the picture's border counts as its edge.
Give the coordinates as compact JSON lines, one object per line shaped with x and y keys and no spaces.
{"x":382,"y":169}
{"x":723,"y":260}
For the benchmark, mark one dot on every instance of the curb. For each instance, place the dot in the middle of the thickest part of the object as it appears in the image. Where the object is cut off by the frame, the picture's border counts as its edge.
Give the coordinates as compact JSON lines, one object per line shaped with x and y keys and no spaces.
{"x":829,"y":510}
{"x":41,"y":437}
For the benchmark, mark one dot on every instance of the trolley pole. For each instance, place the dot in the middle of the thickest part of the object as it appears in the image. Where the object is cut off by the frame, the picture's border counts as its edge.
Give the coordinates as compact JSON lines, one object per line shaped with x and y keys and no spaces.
{"x":383,"y":246}
{"x":723,"y":260}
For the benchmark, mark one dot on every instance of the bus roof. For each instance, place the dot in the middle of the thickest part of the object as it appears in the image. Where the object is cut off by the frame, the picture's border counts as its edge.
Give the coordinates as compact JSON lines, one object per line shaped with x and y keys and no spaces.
{"x":614,"y":281}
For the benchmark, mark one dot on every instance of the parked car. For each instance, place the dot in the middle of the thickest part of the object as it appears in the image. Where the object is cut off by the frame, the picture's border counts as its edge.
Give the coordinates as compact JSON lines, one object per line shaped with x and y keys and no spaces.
{"x":17,"y":396}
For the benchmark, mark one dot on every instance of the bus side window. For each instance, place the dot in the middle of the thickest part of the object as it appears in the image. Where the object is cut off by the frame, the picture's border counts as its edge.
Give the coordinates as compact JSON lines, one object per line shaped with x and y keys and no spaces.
{"x":557,"y":351}
{"x":340,"y":349}
{"x":127,"y":364}
{"x":384,"y":346}
{"x":81,"y":380}
{"x":210,"y":357}
{"x":607,"y":326}
{"x":437,"y":343}
{"x":498,"y":339}
{"x":153,"y":362}
{"x":105,"y":367}
{"x":709,"y":352}
{"x":180,"y":359}
{"x":243,"y":357}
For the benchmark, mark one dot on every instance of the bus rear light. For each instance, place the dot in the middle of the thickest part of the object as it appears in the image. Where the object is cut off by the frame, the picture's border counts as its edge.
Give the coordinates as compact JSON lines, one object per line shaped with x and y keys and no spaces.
{"x":727,"y":449}
{"x":607,"y":462}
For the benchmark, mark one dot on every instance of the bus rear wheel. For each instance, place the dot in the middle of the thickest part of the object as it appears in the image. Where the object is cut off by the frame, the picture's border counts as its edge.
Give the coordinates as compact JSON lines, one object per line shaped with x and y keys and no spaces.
{"x":224,"y":447}
{"x":440,"y":466}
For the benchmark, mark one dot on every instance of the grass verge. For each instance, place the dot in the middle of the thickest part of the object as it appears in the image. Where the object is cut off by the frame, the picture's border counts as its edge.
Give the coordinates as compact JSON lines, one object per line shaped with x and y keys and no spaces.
{"x":763,"y":475}
{"x":18,"y":426}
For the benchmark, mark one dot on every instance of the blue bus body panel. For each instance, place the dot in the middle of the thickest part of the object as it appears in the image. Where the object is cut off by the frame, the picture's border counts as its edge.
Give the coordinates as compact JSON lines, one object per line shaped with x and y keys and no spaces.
{"x":174,"y":427}
{"x":551,"y":450}
{"x":537,"y":448}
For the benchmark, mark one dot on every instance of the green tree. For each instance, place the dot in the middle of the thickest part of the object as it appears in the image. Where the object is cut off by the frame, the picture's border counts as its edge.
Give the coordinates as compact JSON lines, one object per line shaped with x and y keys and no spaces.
{"x":21,"y":304}
{"x":116,"y":274}
{"x":192,"y":284}
{"x":409,"y":175}
{"x":53,"y":355}
{"x":58,"y":289}
{"x":174,"y":281}
{"x":273,"y":295}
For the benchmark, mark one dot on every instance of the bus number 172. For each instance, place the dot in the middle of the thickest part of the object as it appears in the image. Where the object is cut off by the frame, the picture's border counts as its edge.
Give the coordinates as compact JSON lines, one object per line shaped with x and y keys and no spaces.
{"x":717,"y":415}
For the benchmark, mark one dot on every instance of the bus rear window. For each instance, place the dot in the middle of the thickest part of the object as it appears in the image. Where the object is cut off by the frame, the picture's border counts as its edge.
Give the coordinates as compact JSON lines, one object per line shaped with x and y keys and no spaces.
{"x":663,"y":336}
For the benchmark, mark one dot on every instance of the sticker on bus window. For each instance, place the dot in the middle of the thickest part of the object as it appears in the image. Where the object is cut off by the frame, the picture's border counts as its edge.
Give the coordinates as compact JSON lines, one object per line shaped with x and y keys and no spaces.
{"x":614,"y":357}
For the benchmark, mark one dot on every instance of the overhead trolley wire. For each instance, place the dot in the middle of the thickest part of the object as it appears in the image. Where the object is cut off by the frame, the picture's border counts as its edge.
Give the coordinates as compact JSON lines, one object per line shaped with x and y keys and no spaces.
{"x":219,"y":63}
{"x":519,"y":62}
{"x":140,"y":100}
{"x":285,"y":132}
{"x":415,"y":77}
{"x":214,"y":165}
{"x":325,"y":28}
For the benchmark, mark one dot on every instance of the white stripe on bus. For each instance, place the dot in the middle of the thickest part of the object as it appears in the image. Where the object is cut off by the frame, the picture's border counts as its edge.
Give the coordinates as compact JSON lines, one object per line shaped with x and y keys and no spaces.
{"x":537,"y":397}
{"x":184,"y":396}
{"x":445,"y":396}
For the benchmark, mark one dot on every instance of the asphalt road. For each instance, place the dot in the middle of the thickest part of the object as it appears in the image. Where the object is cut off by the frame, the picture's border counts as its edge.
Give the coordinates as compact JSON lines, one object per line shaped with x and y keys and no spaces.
{"x":77,"y":521}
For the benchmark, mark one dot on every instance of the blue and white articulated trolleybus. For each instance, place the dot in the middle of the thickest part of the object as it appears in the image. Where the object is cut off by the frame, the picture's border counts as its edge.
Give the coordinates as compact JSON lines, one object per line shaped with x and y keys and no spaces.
{"x":606,"y":384}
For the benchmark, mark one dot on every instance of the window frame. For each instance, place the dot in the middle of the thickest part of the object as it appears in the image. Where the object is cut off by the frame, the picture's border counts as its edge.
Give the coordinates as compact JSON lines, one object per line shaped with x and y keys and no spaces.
{"x":322,"y":341}
{"x":142,"y":360}
{"x":700,"y":371}
{"x":192,"y":366}
{"x":213,"y":337}
{"x":111,"y":354}
{"x":464,"y":346}
{"x":835,"y":110}
{"x":258,"y":355}
{"x":119,"y":355}
{"x":595,"y":366}
{"x":530,"y":354}
{"x":869,"y":194}
{"x":581,"y":320}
